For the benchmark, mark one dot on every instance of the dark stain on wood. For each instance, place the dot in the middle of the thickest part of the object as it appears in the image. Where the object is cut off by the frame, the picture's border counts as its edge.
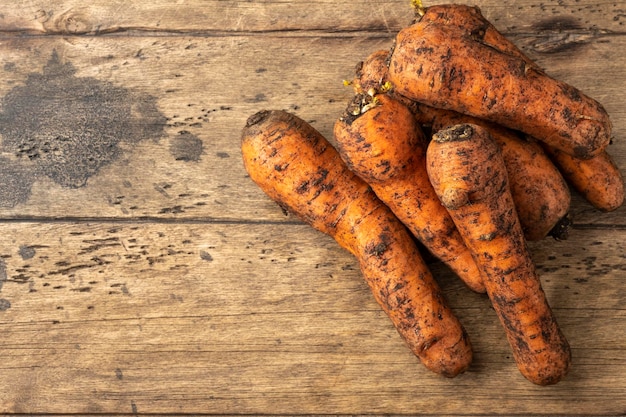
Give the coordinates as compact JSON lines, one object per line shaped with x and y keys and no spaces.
{"x":206,"y":256}
{"x":17,"y":180}
{"x":3,"y":273}
{"x":97,"y":244}
{"x":27,"y":252}
{"x":67,"y":128}
{"x":9,"y":66}
{"x":186,"y":147}
{"x":4,"y":304}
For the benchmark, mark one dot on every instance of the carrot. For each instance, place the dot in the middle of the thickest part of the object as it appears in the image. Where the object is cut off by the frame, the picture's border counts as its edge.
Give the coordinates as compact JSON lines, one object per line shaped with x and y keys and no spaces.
{"x":467,"y":171}
{"x":470,"y":21}
{"x":385,"y":146}
{"x":597,"y":179}
{"x":443,"y":67}
{"x":370,"y":73}
{"x":541,"y":195}
{"x":371,"y":78}
{"x":298,"y":168}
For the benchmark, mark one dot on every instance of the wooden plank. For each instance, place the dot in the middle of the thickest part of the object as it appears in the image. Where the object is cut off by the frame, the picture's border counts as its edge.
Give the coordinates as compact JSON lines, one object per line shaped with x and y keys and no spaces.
{"x":76,"y":17}
{"x":149,"y":127}
{"x":265,"y":319}
{"x":141,"y":271}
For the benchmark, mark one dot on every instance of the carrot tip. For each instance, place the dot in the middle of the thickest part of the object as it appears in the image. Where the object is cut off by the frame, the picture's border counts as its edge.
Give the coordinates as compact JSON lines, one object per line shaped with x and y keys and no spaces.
{"x":360,"y":104}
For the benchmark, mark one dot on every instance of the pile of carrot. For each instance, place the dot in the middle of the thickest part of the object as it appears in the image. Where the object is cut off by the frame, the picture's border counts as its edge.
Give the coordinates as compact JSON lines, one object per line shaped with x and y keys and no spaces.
{"x":456,"y":139}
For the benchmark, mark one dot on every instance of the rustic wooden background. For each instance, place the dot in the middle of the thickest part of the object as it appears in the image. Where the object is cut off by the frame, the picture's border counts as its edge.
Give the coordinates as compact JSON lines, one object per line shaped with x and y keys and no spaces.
{"x":142,"y":272}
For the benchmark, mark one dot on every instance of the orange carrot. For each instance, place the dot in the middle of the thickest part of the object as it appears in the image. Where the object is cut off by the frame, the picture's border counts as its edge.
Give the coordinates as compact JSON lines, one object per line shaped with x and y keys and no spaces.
{"x":542,"y":198}
{"x":385,"y":146}
{"x":470,"y":22}
{"x":597,"y":179}
{"x":298,"y":168}
{"x":442,"y":67}
{"x":371,"y":73}
{"x":541,"y":195}
{"x":468,"y":173}
{"x":371,"y":78}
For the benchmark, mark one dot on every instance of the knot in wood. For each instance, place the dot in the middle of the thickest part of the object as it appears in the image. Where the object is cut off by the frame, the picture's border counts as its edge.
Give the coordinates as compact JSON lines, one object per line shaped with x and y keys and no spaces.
{"x":75,"y":22}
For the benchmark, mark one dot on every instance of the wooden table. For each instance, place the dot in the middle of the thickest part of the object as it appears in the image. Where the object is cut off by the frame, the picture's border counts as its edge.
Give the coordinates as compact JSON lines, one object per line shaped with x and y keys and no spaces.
{"x":142,"y":272}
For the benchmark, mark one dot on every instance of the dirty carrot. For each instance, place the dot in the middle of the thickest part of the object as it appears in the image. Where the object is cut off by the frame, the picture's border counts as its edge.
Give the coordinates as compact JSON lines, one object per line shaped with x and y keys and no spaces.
{"x":442,"y":67}
{"x":371,"y":78}
{"x":542,"y":197}
{"x":380,"y":140}
{"x":470,"y":22}
{"x":597,"y":179}
{"x":370,"y":74}
{"x":299,"y":169}
{"x":467,"y":171}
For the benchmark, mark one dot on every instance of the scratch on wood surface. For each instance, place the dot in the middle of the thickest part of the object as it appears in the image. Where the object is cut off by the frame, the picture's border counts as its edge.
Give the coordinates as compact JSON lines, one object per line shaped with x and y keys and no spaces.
{"x":384,"y":17}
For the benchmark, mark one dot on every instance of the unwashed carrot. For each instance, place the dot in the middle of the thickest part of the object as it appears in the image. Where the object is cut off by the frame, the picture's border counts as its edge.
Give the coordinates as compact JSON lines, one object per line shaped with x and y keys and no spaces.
{"x":371,"y":78}
{"x":442,"y":67}
{"x":380,"y":140}
{"x":298,"y":168}
{"x":470,"y":22}
{"x":597,"y":179}
{"x":542,"y":197}
{"x":468,"y":173}
{"x":371,"y":73}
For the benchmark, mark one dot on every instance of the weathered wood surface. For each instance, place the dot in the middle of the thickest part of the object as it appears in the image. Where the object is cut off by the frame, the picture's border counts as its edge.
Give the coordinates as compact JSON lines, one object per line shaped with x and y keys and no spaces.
{"x":248,"y":319}
{"x":142,"y":272}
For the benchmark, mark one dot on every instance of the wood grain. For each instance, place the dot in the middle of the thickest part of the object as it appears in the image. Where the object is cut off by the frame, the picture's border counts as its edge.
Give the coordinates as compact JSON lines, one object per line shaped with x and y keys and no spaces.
{"x":74,"y":17}
{"x":202,"y":318}
{"x":142,"y":272}
{"x":166,"y":176}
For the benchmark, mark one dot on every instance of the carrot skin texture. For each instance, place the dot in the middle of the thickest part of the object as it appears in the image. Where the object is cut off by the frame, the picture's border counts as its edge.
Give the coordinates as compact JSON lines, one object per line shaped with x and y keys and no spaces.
{"x":371,"y":76}
{"x":597,"y":179}
{"x":298,"y":168}
{"x":441,"y":67}
{"x":467,"y":171}
{"x":387,"y":149}
{"x":541,"y":195}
